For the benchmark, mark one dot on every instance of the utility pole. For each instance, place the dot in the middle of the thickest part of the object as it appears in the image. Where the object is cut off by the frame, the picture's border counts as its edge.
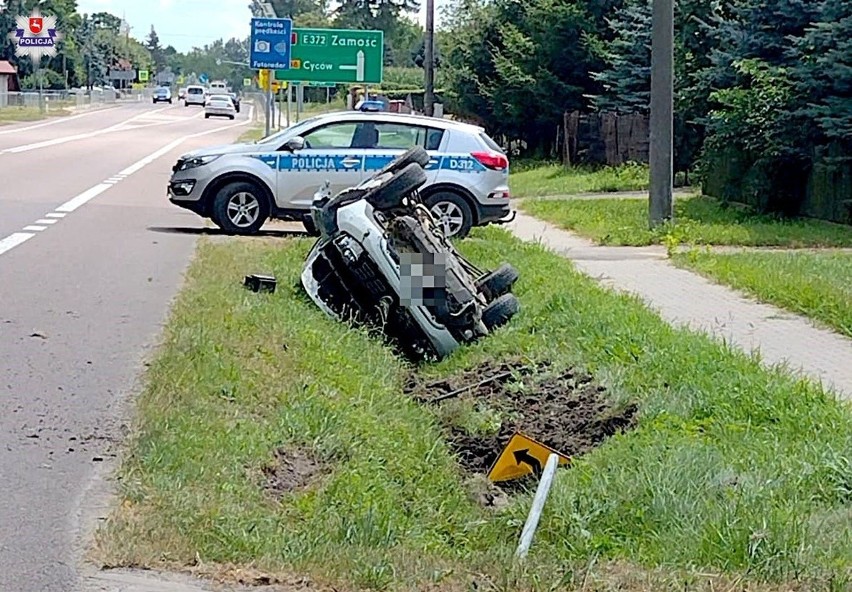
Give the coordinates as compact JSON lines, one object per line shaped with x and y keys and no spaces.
{"x":429,"y":59}
{"x":660,"y":206}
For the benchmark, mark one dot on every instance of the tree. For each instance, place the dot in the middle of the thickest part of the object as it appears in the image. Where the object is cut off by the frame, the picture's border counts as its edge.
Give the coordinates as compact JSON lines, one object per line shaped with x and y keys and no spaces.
{"x":383,"y":15}
{"x":158,"y":54}
{"x":517,"y":67}
{"x":752,"y":117}
{"x":822,"y":74}
{"x":626,"y":79}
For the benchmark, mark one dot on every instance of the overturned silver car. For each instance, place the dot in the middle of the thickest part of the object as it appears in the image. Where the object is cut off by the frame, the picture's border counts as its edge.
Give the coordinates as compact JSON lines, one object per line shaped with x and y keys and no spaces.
{"x":382,"y":260}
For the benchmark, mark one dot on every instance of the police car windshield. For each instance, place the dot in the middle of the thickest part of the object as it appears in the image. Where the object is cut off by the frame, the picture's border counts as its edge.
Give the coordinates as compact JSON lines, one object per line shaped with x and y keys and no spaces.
{"x":289,"y":131}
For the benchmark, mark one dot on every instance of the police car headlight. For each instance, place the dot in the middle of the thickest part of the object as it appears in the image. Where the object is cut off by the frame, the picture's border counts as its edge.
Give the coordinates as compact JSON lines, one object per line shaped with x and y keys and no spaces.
{"x":198,"y":161}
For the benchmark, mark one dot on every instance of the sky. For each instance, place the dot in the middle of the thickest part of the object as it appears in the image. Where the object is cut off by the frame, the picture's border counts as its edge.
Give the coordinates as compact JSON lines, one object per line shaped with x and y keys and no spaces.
{"x":189,"y":23}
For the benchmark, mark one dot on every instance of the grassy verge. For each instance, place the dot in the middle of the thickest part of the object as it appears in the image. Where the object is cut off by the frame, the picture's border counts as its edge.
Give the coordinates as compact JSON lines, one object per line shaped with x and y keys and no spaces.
{"x":818,"y":285}
{"x":732,"y":467}
{"x":698,"y":220}
{"x":251,"y":135}
{"x":16,"y":114}
{"x":555,"y":179}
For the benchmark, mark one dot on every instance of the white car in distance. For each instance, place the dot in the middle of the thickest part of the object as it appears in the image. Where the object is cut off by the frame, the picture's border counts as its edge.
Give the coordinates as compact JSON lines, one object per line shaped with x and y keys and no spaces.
{"x":219,"y":106}
{"x":195,"y":95}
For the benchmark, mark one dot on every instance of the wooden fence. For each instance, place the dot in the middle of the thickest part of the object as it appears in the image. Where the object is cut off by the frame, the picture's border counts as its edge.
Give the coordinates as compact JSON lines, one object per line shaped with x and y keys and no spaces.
{"x":604,"y":138}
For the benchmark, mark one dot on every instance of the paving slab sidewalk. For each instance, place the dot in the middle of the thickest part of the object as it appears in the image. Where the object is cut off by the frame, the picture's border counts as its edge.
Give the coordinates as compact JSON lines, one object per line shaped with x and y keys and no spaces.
{"x":685,"y":298}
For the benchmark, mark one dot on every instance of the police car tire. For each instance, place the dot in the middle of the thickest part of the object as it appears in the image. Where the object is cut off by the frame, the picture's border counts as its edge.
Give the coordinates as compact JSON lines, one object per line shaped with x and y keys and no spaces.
{"x":220,"y":206}
{"x":416,"y":155}
{"x":460,"y":203}
{"x":390,"y":193}
{"x":501,"y":311}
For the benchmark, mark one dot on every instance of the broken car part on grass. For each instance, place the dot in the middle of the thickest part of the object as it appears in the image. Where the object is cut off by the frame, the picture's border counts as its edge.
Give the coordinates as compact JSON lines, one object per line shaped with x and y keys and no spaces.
{"x":382,"y":260}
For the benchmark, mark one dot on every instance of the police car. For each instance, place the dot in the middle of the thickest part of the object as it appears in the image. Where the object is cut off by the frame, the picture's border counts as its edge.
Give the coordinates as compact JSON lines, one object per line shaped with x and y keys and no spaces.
{"x":240,"y":186}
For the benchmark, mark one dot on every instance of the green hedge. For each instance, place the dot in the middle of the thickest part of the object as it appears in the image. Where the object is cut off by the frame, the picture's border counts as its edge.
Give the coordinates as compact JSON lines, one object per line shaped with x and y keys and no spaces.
{"x":821,"y":188}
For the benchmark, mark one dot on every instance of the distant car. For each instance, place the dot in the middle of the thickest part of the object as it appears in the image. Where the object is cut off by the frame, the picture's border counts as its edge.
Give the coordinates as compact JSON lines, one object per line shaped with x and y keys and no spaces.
{"x":236,"y":100}
{"x":219,"y":106}
{"x":163,"y":94}
{"x":195,"y":95}
{"x":370,"y":106}
{"x":181,"y":93}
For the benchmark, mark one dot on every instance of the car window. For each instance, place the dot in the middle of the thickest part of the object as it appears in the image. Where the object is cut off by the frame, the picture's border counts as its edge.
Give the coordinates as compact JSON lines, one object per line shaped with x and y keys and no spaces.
{"x":434,"y":138}
{"x":399,"y":136}
{"x":491,"y":143}
{"x":195,"y":91}
{"x":335,"y":135}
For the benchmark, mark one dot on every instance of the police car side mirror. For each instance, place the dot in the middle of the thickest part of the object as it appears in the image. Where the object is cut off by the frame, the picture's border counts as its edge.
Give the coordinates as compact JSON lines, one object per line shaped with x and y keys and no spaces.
{"x":295,"y":144}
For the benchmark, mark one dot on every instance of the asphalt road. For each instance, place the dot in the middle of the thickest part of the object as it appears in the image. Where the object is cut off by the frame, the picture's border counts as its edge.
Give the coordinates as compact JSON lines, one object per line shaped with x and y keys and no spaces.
{"x":91,"y":253}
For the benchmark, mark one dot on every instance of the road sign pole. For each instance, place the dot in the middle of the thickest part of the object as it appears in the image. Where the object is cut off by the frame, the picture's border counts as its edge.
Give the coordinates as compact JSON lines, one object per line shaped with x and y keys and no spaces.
{"x":537,"y":506}
{"x":268,"y":101}
{"x":289,"y":101}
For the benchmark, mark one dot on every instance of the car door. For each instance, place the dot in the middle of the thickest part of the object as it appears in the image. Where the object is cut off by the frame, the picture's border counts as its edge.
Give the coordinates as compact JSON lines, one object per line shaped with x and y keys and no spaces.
{"x":394,"y":138}
{"x":333,"y":152}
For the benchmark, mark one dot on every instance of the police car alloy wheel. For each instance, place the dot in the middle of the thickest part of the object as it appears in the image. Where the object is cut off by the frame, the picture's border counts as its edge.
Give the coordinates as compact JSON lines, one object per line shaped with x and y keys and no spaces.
{"x":240,"y":208}
{"x":452,"y":214}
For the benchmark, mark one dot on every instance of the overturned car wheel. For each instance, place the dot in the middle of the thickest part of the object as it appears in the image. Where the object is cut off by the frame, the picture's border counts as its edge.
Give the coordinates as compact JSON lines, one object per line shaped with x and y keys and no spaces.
{"x":500,"y":312}
{"x":416,"y":155}
{"x":390,"y":193}
{"x":498,"y":282}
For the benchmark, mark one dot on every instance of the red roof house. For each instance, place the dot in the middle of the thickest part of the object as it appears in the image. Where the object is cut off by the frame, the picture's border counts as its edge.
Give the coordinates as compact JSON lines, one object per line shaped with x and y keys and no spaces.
{"x":8,"y":77}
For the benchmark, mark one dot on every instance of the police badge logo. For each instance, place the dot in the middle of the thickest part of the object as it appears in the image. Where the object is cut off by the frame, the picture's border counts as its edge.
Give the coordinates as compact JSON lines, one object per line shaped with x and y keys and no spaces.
{"x":35,"y":36}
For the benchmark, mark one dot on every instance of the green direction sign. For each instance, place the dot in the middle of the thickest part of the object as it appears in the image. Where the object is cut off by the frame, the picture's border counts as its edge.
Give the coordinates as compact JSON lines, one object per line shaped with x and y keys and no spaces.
{"x":342,"y":56}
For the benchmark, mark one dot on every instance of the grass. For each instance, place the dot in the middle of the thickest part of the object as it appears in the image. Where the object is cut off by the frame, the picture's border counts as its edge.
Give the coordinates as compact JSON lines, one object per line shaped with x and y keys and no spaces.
{"x":251,"y":135}
{"x":698,"y":220}
{"x":817,"y":285}
{"x":733,"y":468}
{"x":16,"y":114}
{"x":536,"y":180}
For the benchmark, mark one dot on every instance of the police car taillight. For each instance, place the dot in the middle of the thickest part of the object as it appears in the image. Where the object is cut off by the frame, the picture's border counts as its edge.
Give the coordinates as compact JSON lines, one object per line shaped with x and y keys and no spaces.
{"x":492,"y":160}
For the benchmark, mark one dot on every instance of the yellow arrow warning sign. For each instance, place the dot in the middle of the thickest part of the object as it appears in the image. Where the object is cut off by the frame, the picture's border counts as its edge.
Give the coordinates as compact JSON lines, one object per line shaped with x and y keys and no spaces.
{"x":521,"y":457}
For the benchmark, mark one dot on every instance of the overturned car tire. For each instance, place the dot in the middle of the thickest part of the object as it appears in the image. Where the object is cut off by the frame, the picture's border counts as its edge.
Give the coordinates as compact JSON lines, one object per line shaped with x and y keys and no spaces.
{"x":390,"y":193}
{"x":416,"y":155}
{"x":500,"y":312}
{"x":498,"y":282}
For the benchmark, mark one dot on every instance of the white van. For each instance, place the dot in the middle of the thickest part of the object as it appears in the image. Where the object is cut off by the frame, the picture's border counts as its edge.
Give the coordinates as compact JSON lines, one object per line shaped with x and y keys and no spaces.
{"x":195,"y":95}
{"x":218,"y":87}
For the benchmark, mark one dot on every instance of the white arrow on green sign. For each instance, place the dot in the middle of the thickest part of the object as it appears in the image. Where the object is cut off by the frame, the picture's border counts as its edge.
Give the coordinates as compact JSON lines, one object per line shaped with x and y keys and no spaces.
{"x":342,"y":56}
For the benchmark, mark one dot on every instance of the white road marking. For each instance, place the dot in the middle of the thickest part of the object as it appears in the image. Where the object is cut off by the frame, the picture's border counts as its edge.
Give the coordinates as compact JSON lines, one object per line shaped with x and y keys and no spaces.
{"x":35,"y":228}
{"x":89,"y":194}
{"x":54,"y":121}
{"x":13,"y":240}
{"x":118,"y":127}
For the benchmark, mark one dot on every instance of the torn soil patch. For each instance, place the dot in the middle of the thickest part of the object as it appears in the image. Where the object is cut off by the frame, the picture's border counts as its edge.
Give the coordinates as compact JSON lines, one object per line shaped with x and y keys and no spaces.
{"x":290,"y":470}
{"x":566,"y":410}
